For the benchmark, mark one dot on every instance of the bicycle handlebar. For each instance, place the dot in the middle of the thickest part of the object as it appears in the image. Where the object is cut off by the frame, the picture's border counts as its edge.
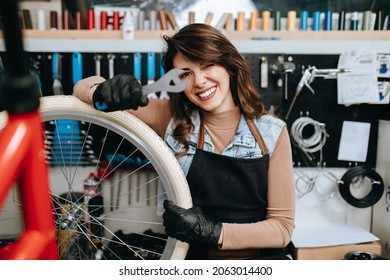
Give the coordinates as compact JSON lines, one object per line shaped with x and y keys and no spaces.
{"x":18,"y":66}
{"x":19,"y":91}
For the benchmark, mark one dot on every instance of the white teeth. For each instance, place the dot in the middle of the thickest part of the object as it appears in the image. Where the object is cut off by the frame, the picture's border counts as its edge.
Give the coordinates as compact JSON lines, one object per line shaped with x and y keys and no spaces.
{"x":207,"y":93}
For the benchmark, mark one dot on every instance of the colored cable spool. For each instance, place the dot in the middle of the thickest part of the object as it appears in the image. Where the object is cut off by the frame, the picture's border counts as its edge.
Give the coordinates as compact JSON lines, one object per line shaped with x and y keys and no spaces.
{"x":53,"y":20}
{"x":277,"y":23}
{"x":78,"y":21}
{"x":90,"y":19}
{"x":103,"y":20}
{"x":304,"y":20}
{"x":351,"y":175}
{"x":341,"y":23}
{"x":328,"y":21}
{"x":291,"y":17}
{"x":66,"y":20}
{"x":116,"y":21}
{"x":265,"y":20}
{"x":316,"y":21}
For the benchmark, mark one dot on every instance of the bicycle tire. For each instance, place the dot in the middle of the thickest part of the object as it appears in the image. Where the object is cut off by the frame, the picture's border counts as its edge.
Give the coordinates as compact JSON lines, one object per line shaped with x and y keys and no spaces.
{"x":145,"y":140}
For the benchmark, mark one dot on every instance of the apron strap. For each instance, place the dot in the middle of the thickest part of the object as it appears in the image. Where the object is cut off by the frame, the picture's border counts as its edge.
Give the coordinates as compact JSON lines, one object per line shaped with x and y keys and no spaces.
{"x":252,"y":127}
{"x":200,"y":143}
{"x":256,"y":133}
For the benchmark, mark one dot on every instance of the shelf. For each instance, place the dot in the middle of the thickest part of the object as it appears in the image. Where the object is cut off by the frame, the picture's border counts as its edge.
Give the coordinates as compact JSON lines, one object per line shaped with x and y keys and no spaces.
{"x":233,"y":35}
{"x":291,"y":42}
{"x":91,"y":34}
{"x":311,"y":35}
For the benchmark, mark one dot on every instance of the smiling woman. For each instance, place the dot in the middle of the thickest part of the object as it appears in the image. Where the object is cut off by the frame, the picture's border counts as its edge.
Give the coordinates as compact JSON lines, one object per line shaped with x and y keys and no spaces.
{"x":235,"y":155}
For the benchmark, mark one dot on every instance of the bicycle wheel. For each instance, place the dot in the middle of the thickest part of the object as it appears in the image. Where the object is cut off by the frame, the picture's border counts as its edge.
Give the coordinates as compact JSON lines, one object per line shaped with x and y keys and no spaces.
{"x":109,"y":173}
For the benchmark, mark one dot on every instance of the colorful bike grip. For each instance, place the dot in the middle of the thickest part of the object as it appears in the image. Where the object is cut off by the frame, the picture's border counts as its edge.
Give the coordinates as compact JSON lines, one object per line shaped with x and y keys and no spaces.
{"x":56,"y":65}
{"x":101,"y":105}
{"x":162,"y":71}
{"x":151,"y":64}
{"x":137,"y":66}
{"x":77,"y":67}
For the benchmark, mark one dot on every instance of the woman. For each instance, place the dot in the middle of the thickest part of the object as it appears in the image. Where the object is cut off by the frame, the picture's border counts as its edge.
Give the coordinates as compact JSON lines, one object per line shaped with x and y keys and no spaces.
{"x":237,"y":158}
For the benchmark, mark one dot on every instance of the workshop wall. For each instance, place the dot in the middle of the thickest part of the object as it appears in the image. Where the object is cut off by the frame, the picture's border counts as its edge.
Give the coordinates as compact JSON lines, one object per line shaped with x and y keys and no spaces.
{"x":278,"y":93}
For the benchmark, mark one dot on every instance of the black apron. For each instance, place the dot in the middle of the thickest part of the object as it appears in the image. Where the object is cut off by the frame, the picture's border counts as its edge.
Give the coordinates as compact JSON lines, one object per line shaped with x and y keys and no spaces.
{"x":231,"y":190}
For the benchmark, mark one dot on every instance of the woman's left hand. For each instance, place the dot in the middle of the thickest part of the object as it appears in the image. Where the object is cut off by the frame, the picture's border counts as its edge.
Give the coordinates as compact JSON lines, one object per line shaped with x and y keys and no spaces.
{"x":190,"y":225}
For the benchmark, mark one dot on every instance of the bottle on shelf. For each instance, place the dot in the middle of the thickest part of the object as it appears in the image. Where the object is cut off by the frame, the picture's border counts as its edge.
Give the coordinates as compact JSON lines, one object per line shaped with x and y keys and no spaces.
{"x":128,"y":27}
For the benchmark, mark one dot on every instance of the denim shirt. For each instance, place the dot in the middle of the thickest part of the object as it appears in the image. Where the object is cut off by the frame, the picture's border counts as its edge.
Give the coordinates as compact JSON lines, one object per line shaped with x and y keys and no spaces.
{"x":243,"y":144}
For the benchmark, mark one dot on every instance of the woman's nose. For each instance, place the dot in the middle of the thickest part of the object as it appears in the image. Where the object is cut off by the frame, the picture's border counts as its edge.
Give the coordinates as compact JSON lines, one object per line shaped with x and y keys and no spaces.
{"x":199,"y":79}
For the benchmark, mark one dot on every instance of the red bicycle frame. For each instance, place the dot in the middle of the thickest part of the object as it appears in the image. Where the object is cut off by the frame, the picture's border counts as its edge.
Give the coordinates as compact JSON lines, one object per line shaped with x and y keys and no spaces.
{"x":22,"y":157}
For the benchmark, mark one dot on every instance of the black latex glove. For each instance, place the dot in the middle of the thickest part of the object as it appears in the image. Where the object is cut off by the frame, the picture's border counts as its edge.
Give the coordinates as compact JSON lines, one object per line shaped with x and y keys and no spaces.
{"x":119,"y":93}
{"x":190,"y":225}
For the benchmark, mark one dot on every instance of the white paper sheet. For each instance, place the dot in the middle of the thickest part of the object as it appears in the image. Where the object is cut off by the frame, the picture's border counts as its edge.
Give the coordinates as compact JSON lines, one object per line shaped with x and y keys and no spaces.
{"x":354,"y":141}
{"x":321,"y":235}
{"x":384,"y":93}
{"x":361,"y":84}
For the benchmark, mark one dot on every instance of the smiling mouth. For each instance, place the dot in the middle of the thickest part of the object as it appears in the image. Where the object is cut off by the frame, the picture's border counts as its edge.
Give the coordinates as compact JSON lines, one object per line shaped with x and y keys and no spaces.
{"x":207,"y":93}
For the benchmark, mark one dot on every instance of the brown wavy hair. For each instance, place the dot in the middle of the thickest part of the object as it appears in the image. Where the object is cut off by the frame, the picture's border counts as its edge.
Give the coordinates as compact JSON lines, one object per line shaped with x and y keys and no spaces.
{"x":204,"y":44}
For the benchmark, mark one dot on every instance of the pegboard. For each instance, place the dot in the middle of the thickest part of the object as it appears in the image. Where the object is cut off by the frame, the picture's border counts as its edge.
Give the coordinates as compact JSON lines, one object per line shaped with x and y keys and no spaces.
{"x":273,"y":93}
{"x":321,"y":106}
{"x":41,"y":63}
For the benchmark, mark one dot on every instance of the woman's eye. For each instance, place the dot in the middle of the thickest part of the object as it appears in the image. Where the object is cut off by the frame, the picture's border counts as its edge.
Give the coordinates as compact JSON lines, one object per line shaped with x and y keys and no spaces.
{"x":184,"y":75}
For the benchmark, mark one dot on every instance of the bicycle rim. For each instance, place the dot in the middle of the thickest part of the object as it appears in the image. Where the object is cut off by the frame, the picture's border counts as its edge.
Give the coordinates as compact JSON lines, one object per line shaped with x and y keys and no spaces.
{"x":109,"y":174}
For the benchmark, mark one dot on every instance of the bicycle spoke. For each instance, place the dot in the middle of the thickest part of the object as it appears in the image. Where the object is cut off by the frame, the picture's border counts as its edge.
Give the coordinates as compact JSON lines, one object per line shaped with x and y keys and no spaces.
{"x":74,"y":241}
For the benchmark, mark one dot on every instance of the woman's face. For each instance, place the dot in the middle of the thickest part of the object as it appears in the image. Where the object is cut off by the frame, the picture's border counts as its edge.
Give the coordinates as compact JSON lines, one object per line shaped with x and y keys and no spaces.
{"x":208,"y":85}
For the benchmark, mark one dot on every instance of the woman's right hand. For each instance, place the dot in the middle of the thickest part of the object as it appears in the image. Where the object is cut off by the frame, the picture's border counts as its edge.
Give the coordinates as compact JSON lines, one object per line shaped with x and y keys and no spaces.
{"x":121,"y":92}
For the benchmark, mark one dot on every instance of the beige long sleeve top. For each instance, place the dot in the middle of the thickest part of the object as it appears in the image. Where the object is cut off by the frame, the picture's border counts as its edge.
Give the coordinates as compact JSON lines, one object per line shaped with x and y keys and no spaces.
{"x":273,"y":232}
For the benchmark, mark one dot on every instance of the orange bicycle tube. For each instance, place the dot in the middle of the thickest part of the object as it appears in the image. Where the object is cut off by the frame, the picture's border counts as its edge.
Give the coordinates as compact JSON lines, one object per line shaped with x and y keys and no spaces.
{"x":22,"y":157}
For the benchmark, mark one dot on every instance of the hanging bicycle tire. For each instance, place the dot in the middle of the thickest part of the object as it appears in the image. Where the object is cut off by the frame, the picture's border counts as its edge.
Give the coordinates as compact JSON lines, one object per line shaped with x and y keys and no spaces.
{"x":109,"y":174}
